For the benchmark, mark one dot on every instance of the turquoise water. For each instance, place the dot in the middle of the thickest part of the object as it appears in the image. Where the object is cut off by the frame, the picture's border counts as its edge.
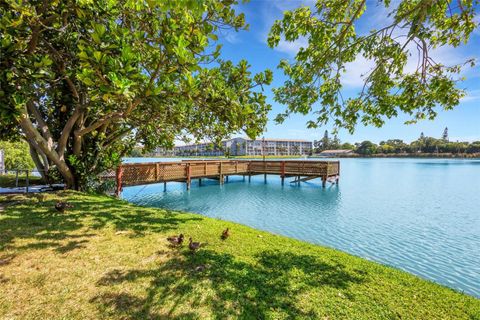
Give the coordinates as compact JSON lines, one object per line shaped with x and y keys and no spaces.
{"x":419,"y":215}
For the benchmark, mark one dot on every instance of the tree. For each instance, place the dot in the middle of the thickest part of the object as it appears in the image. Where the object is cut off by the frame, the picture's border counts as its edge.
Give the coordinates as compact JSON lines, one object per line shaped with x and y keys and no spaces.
{"x":335,"y":143}
{"x":84,"y":81}
{"x":16,"y":155}
{"x":413,"y":29}
{"x":366,"y":148}
{"x":474,"y":147}
{"x":347,"y":146}
{"x":445,"y":134}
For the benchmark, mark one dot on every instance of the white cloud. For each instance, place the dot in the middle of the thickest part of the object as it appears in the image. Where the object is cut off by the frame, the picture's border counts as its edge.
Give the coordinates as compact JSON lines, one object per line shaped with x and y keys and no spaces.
{"x":291,"y":48}
{"x":477,"y":22}
{"x":230,"y":36}
{"x":355,"y":72}
{"x":472,"y":95}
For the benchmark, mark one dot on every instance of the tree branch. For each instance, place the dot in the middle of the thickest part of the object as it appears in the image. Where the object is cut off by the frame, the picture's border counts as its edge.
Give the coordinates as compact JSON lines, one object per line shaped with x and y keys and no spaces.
{"x":104,"y":120}
{"x":41,"y":123}
{"x":67,"y":129}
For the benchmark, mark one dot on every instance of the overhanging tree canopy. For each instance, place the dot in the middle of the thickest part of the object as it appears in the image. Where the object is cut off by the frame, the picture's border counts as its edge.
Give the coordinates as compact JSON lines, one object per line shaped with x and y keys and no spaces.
{"x":83,"y":81}
{"x":414,"y":29}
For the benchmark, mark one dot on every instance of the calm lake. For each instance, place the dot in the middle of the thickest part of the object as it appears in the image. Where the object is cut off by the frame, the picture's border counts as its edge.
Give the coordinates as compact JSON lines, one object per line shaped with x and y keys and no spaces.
{"x":419,"y":215}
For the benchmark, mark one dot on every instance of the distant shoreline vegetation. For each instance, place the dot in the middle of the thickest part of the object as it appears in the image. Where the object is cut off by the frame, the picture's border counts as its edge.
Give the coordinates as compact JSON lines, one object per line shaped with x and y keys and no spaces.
{"x":422,"y":147}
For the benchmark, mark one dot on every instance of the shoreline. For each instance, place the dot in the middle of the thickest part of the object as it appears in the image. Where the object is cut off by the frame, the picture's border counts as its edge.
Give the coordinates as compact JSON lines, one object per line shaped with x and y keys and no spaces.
{"x":379,"y":156}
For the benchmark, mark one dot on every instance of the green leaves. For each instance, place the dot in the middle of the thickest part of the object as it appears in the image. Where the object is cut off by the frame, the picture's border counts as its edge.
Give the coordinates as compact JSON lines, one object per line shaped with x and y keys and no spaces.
{"x":107,"y":75}
{"x":315,"y":79}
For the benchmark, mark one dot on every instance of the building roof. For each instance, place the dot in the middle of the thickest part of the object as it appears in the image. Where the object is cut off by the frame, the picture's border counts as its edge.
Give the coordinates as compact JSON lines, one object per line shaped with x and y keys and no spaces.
{"x":337,"y":151}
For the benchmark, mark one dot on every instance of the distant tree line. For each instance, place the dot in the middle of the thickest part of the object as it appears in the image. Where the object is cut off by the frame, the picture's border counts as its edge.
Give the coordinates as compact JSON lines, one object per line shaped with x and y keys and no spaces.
{"x":397,"y":146}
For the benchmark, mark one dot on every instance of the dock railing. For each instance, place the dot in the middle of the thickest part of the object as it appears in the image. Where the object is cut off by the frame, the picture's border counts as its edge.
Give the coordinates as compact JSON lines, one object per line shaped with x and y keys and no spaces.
{"x":184,"y":171}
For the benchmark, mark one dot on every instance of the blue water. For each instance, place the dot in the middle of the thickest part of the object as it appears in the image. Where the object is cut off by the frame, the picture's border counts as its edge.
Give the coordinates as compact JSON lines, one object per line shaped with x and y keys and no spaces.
{"x":419,"y":215}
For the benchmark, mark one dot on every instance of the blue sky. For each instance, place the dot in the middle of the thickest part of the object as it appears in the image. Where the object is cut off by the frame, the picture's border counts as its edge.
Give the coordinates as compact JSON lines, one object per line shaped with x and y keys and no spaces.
{"x":463,"y":122}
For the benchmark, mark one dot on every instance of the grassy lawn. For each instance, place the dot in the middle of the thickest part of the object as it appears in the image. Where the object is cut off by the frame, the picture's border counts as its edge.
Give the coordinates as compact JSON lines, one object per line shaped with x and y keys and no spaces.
{"x":8,"y":180}
{"x":107,"y":259}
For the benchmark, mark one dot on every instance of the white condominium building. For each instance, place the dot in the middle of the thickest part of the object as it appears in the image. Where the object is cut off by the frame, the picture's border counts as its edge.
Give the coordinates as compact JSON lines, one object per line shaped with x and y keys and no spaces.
{"x":248,"y":147}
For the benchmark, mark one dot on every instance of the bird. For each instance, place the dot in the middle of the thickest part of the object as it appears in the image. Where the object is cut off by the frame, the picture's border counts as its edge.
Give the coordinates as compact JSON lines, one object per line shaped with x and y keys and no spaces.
{"x":194,"y":246}
{"x":176,"y":240}
{"x":62,"y":206}
{"x":225,"y":234}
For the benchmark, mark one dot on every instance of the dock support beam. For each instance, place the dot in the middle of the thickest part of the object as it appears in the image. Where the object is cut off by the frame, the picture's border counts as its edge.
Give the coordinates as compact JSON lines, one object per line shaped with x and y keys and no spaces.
{"x":165,"y":186}
{"x":324,"y":181}
{"x":264,"y":178}
{"x":221,"y":175}
{"x":199,"y":182}
{"x":282,"y":172}
{"x":249,"y":177}
{"x":189,"y":174}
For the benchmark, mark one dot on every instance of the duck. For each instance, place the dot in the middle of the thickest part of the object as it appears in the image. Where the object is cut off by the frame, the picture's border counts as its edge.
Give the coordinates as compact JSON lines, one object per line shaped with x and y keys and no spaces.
{"x":193,"y":246}
{"x":62,"y":206}
{"x":176,"y":240}
{"x":225,"y":234}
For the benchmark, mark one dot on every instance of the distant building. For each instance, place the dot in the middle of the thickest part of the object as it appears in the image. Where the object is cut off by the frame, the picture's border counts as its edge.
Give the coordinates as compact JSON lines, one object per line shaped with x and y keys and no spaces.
{"x":334,"y":153}
{"x":248,"y":147}
{"x":163,"y":152}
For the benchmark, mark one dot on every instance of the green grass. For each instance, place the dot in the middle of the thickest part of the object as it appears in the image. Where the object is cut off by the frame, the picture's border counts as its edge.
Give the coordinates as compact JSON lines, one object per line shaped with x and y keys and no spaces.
{"x":107,"y":259}
{"x":8,"y":180}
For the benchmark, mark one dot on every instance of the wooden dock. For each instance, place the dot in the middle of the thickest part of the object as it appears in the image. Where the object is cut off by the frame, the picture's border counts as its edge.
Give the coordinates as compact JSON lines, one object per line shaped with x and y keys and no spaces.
{"x":184,"y":171}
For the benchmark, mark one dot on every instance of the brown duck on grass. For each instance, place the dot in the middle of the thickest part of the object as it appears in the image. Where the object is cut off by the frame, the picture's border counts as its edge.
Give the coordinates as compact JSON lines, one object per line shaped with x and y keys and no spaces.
{"x":225,"y":234}
{"x":194,"y":246}
{"x":176,"y":240}
{"x":61,"y":206}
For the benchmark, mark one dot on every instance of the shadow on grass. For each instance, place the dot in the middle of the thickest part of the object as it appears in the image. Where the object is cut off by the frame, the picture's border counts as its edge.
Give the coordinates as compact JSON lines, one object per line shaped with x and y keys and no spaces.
{"x":38,"y":220}
{"x":272,"y":286}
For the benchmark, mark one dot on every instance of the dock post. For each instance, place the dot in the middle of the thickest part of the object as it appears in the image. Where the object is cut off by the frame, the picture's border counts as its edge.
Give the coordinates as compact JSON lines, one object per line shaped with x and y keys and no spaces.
{"x":324,"y":181}
{"x":283,"y":172}
{"x":226,"y":178}
{"x":189,"y":173}
{"x":165,"y":186}
{"x":243,"y":177}
{"x":249,"y":178}
{"x":264,"y":170}
{"x":221,"y":175}
{"x":298,"y":179}
{"x":338,"y":172}
{"x":199,"y":182}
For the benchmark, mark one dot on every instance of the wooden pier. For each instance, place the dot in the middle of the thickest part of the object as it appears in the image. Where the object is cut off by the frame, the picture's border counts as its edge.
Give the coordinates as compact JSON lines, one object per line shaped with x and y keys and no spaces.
{"x":184,"y":171}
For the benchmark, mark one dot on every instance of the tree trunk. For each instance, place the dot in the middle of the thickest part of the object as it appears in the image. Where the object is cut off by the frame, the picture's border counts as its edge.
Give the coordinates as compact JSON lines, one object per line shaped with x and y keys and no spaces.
{"x":36,"y":140}
{"x":38,"y":163}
